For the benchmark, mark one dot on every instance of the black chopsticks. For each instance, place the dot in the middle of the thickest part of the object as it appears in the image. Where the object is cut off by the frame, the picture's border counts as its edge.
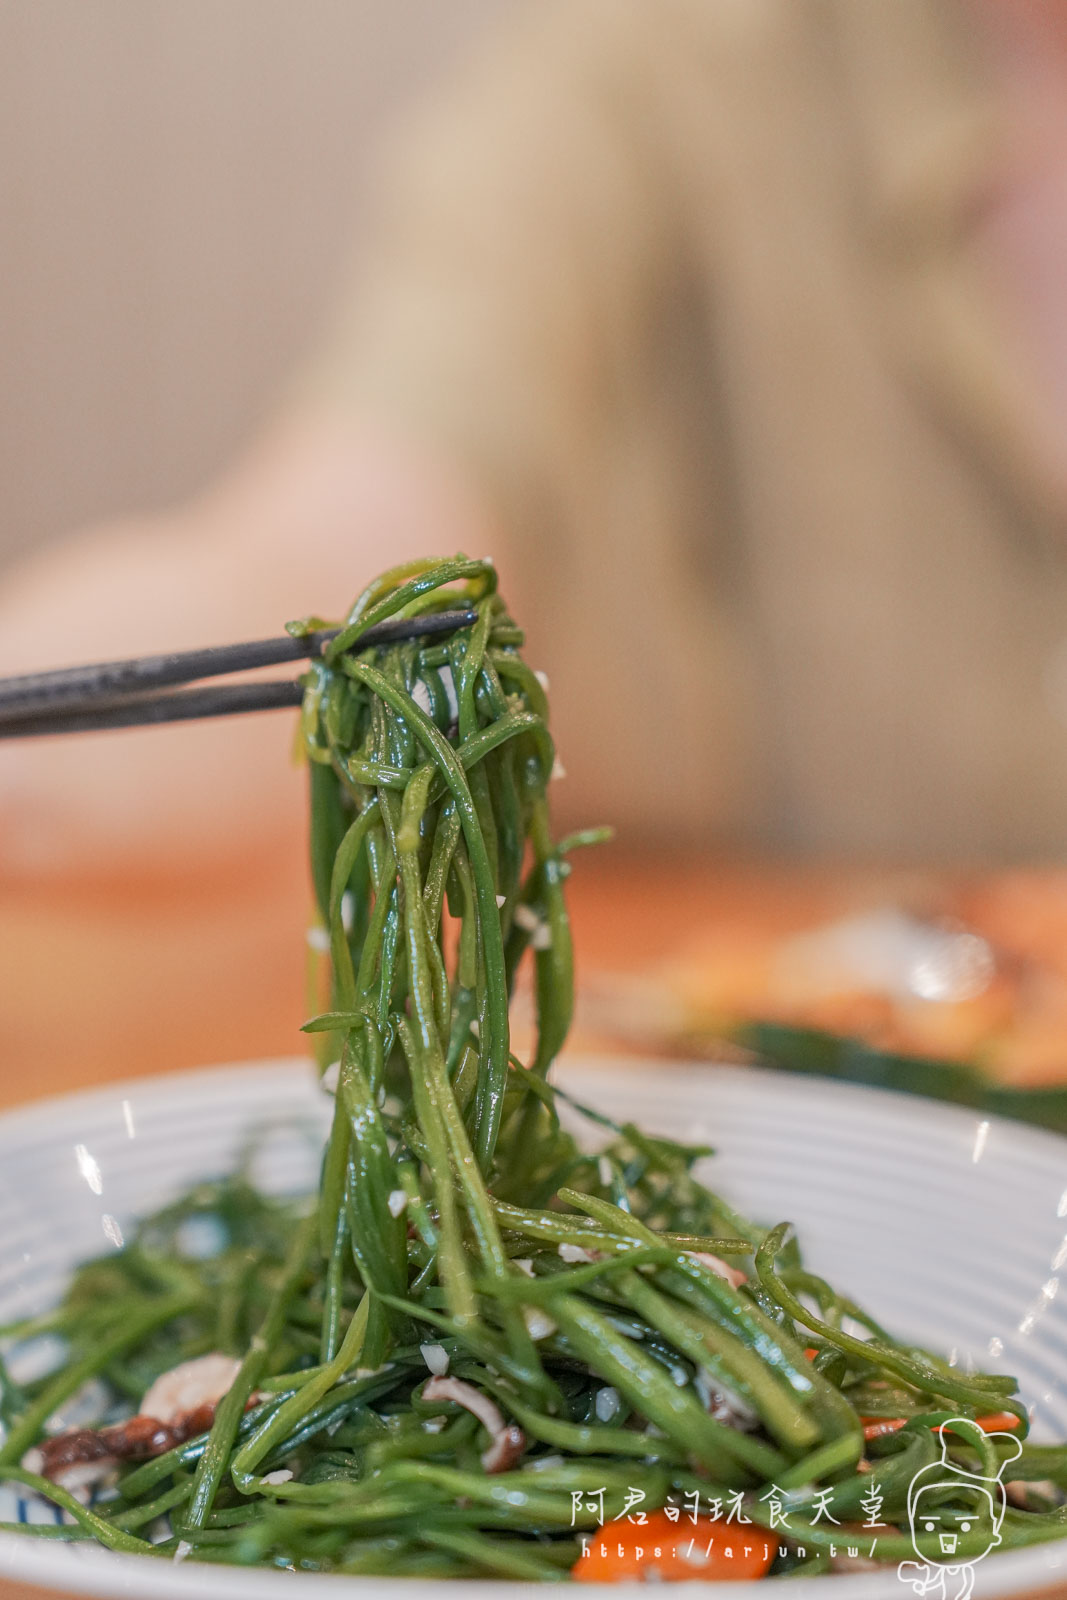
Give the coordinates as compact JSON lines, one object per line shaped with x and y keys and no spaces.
{"x":124,"y":694}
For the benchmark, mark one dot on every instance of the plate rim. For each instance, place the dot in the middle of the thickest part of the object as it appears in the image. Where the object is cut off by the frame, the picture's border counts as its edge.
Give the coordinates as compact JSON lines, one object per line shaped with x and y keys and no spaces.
{"x":88,"y":1570}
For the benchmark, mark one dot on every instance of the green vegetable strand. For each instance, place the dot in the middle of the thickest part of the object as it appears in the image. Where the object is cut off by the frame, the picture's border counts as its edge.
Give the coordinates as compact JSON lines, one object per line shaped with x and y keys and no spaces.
{"x":461,"y":1227}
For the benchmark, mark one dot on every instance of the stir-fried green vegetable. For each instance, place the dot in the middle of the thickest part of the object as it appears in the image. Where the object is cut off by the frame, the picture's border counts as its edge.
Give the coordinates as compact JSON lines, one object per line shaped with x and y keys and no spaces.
{"x":606,"y":1354}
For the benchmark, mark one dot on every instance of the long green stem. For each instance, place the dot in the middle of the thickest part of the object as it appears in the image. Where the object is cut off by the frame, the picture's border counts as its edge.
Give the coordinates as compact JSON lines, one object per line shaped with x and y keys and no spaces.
{"x":461,"y":1227}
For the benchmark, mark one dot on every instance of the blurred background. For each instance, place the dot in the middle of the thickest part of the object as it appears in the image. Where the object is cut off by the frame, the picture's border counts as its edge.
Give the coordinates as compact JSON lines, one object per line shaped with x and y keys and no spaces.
{"x":182,"y":199}
{"x":737,"y":333}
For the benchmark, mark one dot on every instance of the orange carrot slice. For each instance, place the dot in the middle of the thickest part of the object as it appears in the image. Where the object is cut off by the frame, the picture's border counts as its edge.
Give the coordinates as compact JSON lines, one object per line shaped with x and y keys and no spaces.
{"x":995,"y":1422}
{"x":662,"y":1551}
{"x":877,"y":1427}
{"x":998,"y":1422}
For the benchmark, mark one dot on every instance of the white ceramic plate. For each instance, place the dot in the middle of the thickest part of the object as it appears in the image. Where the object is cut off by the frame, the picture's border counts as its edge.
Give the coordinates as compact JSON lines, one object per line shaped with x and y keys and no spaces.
{"x":952,"y":1229}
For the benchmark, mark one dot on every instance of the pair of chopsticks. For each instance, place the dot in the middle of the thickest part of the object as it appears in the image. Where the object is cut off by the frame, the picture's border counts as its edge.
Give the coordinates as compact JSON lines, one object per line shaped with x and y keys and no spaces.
{"x":142,"y":691}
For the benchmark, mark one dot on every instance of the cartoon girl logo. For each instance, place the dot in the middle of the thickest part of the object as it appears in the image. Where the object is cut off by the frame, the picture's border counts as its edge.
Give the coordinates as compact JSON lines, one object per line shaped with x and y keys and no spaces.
{"x":951,"y":1509}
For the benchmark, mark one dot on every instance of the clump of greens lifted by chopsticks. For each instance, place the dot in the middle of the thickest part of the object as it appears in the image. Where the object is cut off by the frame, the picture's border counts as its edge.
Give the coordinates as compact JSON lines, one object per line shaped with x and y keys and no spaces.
{"x":480,"y":1340}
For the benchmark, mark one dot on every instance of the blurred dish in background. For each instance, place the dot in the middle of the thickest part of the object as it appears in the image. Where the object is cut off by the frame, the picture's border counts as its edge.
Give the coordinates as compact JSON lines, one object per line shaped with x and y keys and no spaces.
{"x":947,"y":985}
